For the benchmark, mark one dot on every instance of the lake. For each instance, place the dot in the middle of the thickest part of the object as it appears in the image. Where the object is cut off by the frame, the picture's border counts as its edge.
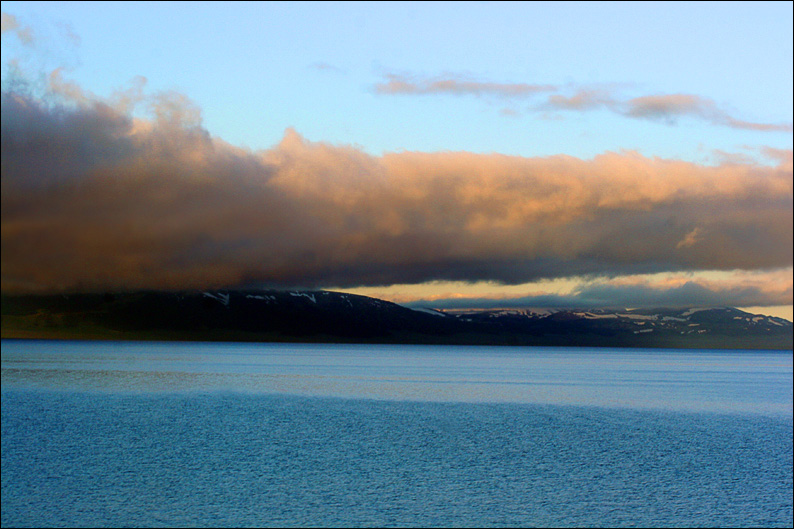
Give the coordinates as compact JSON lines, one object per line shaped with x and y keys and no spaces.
{"x":221,"y":434}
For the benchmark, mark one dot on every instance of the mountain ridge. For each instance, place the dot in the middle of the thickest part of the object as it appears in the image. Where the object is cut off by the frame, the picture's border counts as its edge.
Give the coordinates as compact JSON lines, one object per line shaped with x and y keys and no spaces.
{"x":325,"y":316}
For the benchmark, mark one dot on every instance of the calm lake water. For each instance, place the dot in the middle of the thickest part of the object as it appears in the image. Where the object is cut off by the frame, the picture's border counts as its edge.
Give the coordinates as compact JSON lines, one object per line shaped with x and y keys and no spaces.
{"x":218,"y":434}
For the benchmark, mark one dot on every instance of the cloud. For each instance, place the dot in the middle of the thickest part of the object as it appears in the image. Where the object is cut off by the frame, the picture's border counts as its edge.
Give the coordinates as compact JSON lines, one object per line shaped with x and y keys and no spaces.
{"x":762,"y":127}
{"x":667,"y":108}
{"x":455,"y":85}
{"x":325,"y":67}
{"x":583,"y":99}
{"x":782,"y":156}
{"x":728,"y":158}
{"x":10,"y":24}
{"x":690,"y":239}
{"x":758,"y":289}
{"x":671,"y":106}
{"x":509,"y":112}
{"x":93,"y":199}
{"x":689,"y":294}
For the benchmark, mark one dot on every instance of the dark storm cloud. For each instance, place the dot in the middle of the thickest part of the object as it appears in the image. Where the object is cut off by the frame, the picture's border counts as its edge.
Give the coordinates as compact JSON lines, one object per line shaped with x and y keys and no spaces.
{"x":93,"y":198}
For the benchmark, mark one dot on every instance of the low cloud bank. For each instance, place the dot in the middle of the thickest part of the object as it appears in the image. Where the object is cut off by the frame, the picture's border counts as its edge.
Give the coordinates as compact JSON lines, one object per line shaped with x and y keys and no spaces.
{"x":95,"y":199}
{"x":769,"y":289}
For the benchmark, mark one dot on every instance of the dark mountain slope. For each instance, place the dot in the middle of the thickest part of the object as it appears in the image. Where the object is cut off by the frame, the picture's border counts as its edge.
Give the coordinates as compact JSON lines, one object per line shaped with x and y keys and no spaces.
{"x":320,"y":316}
{"x":222,"y":315}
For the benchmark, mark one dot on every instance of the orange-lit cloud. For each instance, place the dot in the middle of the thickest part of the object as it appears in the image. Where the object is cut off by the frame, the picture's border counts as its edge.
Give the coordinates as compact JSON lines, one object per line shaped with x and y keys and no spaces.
{"x":10,"y":24}
{"x":95,"y":199}
{"x":782,"y":156}
{"x":765,"y":288}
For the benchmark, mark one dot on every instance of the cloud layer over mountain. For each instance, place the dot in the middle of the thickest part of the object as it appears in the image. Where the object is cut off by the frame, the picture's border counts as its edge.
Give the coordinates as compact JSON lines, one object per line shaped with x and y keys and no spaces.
{"x":94,"y":198}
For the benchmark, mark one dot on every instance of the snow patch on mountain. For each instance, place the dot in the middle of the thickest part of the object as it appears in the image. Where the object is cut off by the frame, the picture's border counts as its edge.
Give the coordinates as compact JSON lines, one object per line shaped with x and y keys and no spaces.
{"x":641,"y":316}
{"x":591,"y":316}
{"x":692,"y":311}
{"x":430,"y":311}
{"x":266,"y":298}
{"x":305,"y":295}
{"x":220,"y":296}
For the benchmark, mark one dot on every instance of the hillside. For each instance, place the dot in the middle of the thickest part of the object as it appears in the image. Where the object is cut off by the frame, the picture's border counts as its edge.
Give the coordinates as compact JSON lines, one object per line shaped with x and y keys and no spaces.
{"x":321,"y":316}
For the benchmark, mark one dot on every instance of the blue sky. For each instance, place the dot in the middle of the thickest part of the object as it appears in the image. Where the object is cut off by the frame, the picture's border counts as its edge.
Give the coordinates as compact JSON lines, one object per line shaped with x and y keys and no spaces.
{"x":698,"y":82}
{"x":257,"y":68}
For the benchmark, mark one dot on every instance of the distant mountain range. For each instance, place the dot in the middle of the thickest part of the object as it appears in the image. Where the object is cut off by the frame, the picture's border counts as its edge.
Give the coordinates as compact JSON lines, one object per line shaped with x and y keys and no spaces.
{"x":322,"y":316}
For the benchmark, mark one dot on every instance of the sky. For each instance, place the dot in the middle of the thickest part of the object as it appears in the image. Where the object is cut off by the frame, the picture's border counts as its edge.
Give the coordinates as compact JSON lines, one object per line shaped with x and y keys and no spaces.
{"x":453,"y":155}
